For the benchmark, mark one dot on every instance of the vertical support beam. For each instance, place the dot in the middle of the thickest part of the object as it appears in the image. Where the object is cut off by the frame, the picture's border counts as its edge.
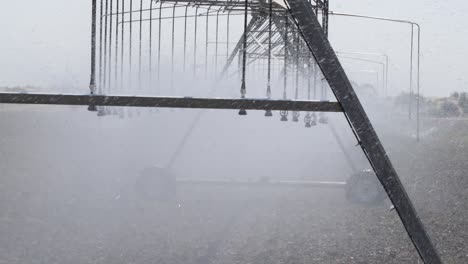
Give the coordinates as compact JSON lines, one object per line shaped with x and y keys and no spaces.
{"x":173,"y":46}
{"x":99,"y":90}
{"x":130,"y":35}
{"x":410,"y":100}
{"x":243,"y":90}
{"x":92,"y":82}
{"x":140,"y":42}
{"x":216,"y":42}
{"x":325,"y":10}
{"x":92,"y":79}
{"x":104,"y":73}
{"x":122,"y":51}
{"x":109,"y":69}
{"x":116,"y":64}
{"x":418,"y":82}
{"x":362,"y":127}
{"x":195,"y":44}
{"x":150,"y":48}
{"x":386,"y":75}
{"x":268,"y":113}
{"x":244,"y":49}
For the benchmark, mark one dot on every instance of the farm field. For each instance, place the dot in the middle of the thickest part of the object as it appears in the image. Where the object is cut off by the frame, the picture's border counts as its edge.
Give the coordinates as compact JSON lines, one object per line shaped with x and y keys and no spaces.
{"x":67,"y":197}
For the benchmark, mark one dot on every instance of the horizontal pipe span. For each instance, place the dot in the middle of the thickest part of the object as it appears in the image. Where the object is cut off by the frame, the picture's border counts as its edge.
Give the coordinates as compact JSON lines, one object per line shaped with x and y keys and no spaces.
{"x":170,"y":102}
{"x":303,"y":184}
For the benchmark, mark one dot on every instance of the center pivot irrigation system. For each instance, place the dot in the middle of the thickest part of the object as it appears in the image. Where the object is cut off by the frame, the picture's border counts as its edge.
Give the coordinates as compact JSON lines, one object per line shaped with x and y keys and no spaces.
{"x":185,"y":48}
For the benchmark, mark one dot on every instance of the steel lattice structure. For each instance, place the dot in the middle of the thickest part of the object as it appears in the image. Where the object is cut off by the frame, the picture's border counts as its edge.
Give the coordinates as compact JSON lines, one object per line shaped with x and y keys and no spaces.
{"x":294,"y":34}
{"x":147,"y":45}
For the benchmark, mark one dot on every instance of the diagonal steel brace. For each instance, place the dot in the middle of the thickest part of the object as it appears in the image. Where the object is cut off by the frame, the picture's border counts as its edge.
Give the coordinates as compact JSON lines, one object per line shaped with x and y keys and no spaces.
{"x":328,"y":62}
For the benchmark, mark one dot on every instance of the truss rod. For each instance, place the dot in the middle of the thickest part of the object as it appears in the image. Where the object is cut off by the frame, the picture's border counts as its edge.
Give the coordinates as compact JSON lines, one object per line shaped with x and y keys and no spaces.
{"x":234,"y":183}
{"x":169,"y":102}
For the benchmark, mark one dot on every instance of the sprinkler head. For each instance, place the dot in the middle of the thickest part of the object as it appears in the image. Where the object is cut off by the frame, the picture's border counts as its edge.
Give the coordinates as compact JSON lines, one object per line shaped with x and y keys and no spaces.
{"x":268,"y":113}
{"x":284,"y":116}
{"x":92,"y":108}
{"x":364,"y":188}
{"x":101,"y":112}
{"x":307,"y":120}
{"x":295,"y":117}
{"x":107,"y":111}
{"x":242,"y":112}
{"x":323,"y":120}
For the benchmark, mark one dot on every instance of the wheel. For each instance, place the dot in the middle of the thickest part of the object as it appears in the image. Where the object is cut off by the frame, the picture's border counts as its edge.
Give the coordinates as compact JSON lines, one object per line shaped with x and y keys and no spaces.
{"x":156,"y":184}
{"x":364,"y":188}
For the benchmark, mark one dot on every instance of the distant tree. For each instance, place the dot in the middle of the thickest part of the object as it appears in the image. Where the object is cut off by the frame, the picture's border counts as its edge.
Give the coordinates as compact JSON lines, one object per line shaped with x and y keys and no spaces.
{"x":462,"y":99}
{"x":431,"y":108}
{"x":402,"y":99}
{"x":455,"y":95}
{"x":449,"y":109}
{"x":463,"y":103}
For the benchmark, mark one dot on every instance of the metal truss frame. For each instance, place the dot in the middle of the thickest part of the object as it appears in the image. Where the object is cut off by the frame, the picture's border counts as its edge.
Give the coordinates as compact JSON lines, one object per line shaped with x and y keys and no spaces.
{"x":305,"y":16}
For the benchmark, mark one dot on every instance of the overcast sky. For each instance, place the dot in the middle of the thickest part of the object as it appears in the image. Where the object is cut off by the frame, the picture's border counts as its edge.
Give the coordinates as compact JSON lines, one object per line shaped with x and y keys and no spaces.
{"x":46,"y":43}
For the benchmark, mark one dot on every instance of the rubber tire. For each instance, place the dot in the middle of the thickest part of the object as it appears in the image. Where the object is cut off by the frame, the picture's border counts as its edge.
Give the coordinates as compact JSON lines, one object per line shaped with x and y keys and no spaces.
{"x":364,"y":188}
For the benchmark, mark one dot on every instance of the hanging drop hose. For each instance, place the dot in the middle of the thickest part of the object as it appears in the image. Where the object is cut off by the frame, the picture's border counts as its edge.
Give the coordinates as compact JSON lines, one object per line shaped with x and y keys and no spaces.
{"x":101,"y":110}
{"x":117,"y":83}
{"x":296,"y":114}
{"x":122,"y":47}
{"x":185,"y":36}
{"x":323,"y":119}
{"x":268,"y":113}
{"x":104,"y":79}
{"x":130,"y":46}
{"x":316,"y":69}
{"x":239,"y":63}
{"x":139,"y":44}
{"x":195,"y":45}
{"x":206,"y":41}
{"x":216,"y":42}
{"x":109,"y":69}
{"x":109,"y":55}
{"x":159,"y":44}
{"x":113,"y":88}
{"x":116,"y":64}
{"x":284,"y":114}
{"x":99,"y":91}
{"x":243,"y":89}
{"x":227,"y":36}
{"x":172,"y":46}
{"x":92,"y":79}
{"x":308,"y":117}
{"x":150,"y":63}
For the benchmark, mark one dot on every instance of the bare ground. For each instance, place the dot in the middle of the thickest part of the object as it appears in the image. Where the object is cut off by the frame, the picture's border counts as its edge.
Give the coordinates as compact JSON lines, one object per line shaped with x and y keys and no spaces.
{"x":70,"y":214}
